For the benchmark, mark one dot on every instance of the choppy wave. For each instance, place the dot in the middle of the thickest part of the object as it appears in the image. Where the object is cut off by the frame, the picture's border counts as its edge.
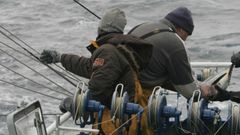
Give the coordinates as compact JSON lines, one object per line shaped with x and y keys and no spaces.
{"x":63,"y":25}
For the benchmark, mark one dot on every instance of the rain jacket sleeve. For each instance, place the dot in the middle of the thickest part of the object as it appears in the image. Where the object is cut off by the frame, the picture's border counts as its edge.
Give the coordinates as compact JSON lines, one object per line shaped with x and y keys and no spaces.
{"x":180,"y":73}
{"x":77,"y":65}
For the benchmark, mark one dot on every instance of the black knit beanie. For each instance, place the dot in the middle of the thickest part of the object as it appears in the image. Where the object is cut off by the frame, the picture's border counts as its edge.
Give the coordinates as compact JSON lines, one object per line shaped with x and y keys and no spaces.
{"x":181,"y":17}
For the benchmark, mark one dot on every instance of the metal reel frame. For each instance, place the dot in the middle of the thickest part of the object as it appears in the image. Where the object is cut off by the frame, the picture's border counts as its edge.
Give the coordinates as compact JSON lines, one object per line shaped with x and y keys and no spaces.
{"x":200,"y":116}
{"x":156,"y":104}
{"x":194,"y":110}
{"x":118,"y":105}
{"x":80,"y":101}
{"x":234,"y":118}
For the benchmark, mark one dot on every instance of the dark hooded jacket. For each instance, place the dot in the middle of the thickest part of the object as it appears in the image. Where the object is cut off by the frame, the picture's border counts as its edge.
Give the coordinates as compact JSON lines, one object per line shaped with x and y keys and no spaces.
{"x":169,"y":66}
{"x":115,"y":61}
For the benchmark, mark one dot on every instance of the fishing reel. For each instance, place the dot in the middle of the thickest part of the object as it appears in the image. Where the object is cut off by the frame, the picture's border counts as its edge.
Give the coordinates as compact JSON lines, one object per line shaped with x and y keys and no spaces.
{"x":200,"y":116}
{"x":121,"y":110}
{"x":84,"y":108}
{"x":159,"y":113}
{"x":233,"y":119}
{"x":205,"y":73}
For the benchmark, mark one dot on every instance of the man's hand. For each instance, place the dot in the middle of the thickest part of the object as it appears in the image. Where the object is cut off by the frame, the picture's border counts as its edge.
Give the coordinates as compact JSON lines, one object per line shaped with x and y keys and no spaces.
{"x":208,"y":91}
{"x":215,"y":93}
{"x":235,"y":59}
{"x":66,"y":105}
{"x":50,"y":56}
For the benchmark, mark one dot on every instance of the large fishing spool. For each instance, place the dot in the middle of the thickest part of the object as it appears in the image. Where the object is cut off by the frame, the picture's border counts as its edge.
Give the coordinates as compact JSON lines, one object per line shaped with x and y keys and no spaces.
{"x":83,"y":107}
{"x":122,"y":110}
{"x":205,"y":73}
{"x":234,"y":119}
{"x":200,"y":116}
{"x":156,"y":104}
{"x":194,"y":110}
{"x":119,"y":101}
{"x":80,"y":100}
{"x":158,"y":111}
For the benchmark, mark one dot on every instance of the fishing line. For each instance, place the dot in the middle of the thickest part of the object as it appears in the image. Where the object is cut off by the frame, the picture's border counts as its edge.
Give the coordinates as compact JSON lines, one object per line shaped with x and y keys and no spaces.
{"x":202,"y":122}
{"x":209,"y":131}
{"x":52,"y":114}
{"x":32,"y":58}
{"x":36,"y":71}
{"x":33,"y":80}
{"x":36,"y":51}
{"x":132,"y":117}
{"x":114,"y":114}
{"x":19,"y":39}
{"x":223,"y":125}
{"x":34,"y":55}
{"x":17,"y":51}
{"x":38,"y":58}
{"x":87,"y":9}
{"x":44,"y":114}
{"x":30,"y":90}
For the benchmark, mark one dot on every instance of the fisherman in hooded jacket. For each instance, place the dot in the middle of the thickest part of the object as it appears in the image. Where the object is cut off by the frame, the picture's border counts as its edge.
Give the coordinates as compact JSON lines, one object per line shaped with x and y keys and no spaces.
{"x":116,"y":58}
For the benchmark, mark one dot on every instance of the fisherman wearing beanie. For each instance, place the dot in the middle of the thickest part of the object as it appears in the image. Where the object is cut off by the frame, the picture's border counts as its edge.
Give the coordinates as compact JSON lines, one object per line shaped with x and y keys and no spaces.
{"x":169,"y":66}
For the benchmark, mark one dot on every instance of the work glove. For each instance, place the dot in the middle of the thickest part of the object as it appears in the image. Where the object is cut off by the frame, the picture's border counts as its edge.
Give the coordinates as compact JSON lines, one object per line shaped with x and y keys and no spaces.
{"x":66,"y":105}
{"x":50,"y":56}
{"x":235,"y":59}
{"x":223,"y":95}
{"x":235,"y":96}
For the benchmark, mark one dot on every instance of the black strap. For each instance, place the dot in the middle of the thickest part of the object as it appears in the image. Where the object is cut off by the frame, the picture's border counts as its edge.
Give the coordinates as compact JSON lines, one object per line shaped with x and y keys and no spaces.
{"x":135,"y":28}
{"x":156,"y":31}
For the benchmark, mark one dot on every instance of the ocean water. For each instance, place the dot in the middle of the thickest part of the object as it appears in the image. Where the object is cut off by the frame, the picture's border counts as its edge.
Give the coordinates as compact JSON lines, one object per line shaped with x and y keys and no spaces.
{"x":66,"y":27}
